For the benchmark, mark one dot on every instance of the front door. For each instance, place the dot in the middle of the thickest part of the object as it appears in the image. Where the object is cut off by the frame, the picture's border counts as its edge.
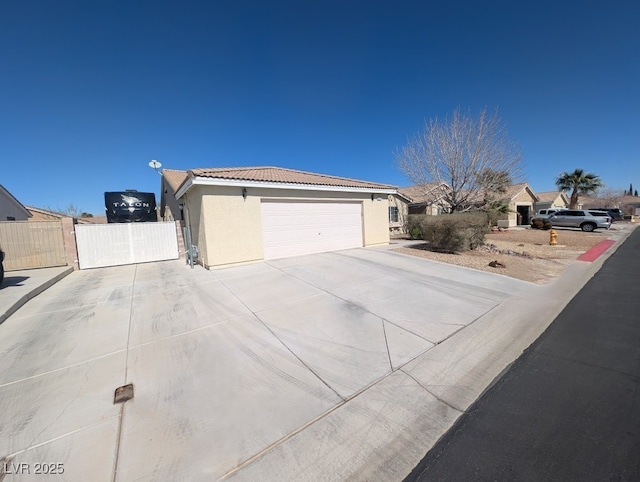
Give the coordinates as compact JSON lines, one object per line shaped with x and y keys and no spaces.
{"x":523,"y":214}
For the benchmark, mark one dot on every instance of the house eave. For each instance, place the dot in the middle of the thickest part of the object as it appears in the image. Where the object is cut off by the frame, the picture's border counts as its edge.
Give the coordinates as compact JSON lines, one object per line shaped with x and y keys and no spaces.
{"x":206,"y":181}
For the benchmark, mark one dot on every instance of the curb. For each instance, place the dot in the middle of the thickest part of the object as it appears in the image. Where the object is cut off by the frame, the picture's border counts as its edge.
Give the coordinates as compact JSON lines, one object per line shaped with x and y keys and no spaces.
{"x":595,"y":252}
{"x":33,"y":293}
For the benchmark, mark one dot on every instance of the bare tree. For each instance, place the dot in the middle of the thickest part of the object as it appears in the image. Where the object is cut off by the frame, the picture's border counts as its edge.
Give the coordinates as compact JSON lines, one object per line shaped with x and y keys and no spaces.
{"x":469,"y":154}
{"x":71,"y":210}
{"x":607,"y":197}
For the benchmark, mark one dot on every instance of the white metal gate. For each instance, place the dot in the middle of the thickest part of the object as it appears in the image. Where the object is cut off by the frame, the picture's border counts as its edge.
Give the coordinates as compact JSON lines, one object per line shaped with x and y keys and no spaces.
{"x":115,"y":244}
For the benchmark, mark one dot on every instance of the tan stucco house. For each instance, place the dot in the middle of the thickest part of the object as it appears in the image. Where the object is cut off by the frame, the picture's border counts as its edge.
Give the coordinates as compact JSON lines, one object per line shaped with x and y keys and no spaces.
{"x":522,"y":200}
{"x":39,"y":214}
{"x":426,"y":198}
{"x":242,"y":215}
{"x":423,"y":199}
{"x":398,"y":211}
{"x":10,"y":208}
{"x":551,"y":199}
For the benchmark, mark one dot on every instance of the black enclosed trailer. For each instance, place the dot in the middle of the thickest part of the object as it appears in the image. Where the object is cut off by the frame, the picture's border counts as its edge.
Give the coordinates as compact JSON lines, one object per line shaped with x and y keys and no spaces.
{"x":130,"y":206}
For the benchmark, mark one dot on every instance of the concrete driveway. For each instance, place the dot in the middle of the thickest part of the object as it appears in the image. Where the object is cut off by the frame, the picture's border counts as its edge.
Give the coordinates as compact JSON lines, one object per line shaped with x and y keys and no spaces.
{"x":331,"y":366}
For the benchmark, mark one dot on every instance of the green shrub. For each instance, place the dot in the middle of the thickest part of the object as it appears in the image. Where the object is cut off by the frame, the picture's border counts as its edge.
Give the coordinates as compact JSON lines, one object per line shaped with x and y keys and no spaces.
{"x":455,"y":232}
{"x":413,"y":225}
{"x":416,"y":233}
{"x":541,"y":224}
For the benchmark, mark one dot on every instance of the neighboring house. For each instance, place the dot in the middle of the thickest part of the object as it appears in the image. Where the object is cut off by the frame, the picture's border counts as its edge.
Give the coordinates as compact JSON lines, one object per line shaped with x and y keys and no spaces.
{"x":551,"y":199}
{"x":170,"y":207}
{"x":39,"y":214}
{"x":10,"y":208}
{"x":426,"y":198}
{"x":429,"y":199}
{"x":398,"y":211}
{"x":241,"y":215}
{"x":521,"y":199}
{"x":628,"y":204}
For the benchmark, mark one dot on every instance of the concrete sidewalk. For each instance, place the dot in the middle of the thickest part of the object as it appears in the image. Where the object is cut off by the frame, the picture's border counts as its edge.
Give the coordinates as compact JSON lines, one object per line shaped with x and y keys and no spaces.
{"x":19,"y":287}
{"x":338,"y":366}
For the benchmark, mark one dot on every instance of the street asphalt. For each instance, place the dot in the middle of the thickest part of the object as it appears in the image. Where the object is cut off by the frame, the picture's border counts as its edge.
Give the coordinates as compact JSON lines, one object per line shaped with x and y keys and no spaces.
{"x":569,"y":408}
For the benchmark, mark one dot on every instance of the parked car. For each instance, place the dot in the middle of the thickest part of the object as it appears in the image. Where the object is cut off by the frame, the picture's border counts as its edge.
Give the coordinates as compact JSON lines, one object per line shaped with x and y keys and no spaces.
{"x":615,"y":213}
{"x":587,"y":220}
{"x":1,"y":266}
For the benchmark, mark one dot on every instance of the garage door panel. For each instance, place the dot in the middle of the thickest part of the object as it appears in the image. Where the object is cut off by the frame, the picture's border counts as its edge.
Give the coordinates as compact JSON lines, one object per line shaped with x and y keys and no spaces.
{"x":297,"y":228}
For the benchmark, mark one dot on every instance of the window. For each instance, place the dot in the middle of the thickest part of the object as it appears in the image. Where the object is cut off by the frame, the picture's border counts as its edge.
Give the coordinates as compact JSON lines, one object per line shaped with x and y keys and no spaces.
{"x":11,"y":218}
{"x":393,"y":214}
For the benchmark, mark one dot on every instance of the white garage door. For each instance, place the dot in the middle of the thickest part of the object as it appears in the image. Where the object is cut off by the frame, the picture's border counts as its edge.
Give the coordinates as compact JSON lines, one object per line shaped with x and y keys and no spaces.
{"x":295,"y":228}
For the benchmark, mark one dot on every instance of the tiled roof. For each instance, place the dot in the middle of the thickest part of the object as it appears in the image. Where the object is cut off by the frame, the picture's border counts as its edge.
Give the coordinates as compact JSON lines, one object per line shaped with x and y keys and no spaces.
{"x":423,"y":193}
{"x":511,"y":191}
{"x":174,"y":178}
{"x":514,"y":189}
{"x":45,"y":212}
{"x":548,"y":196}
{"x":285,"y":176}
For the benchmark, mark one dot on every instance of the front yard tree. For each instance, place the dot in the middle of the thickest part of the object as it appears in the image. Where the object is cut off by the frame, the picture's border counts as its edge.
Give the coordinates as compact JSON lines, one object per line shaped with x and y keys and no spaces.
{"x":466,"y":153}
{"x":579,"y":183}
{"x":608,"y":197}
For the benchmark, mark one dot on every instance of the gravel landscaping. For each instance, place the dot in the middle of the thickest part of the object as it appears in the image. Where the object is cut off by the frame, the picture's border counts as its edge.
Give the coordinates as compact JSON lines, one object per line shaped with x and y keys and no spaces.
{"x":521,"y":253}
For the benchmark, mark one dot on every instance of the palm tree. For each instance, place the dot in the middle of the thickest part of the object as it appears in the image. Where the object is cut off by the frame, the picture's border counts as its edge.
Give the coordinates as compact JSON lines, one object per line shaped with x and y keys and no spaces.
{"x":578,"y":182}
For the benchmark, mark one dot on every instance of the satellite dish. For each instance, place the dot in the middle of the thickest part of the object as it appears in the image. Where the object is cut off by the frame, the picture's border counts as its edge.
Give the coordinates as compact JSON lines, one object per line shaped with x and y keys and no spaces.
{"x":155,"y":164}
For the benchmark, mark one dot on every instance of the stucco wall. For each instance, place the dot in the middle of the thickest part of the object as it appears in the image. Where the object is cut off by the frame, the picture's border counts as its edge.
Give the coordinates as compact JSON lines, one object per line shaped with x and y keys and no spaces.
{"x":375,"y":219}
{"x":403,"y":211}
{"x":234,"y":226}
{"x":172,"y":205}
{"x":193,"y":203}
{"x":229,"y":228}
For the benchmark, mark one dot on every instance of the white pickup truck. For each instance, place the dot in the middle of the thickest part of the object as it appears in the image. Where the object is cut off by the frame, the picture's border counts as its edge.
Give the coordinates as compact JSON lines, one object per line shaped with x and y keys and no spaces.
{"x":548,"y":212}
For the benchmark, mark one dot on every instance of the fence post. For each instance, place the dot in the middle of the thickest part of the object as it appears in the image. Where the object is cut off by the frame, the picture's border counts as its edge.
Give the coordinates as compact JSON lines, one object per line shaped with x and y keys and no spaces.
{"x":70,"y":246}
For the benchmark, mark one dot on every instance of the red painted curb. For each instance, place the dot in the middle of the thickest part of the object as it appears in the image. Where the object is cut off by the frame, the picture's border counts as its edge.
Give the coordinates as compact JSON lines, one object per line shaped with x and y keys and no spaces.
{"x":595,"y":252}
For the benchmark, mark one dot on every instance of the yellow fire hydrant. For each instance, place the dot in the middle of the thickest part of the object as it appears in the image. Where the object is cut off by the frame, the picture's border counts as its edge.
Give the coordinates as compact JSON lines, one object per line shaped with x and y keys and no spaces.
{"x":553,"y":237}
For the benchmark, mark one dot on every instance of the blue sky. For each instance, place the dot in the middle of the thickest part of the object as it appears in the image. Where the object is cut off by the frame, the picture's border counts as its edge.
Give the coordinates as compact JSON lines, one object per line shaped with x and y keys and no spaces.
{"x":92,"y":91}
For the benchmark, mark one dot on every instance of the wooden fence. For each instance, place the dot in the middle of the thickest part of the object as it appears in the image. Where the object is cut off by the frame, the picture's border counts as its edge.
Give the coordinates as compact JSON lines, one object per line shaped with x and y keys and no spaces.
{"x":32,"y":244}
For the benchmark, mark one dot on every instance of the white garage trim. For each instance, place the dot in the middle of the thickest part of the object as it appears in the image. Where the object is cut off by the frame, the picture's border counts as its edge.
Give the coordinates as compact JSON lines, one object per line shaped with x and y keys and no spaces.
{"x":293,"y":228}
